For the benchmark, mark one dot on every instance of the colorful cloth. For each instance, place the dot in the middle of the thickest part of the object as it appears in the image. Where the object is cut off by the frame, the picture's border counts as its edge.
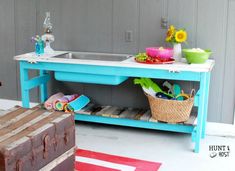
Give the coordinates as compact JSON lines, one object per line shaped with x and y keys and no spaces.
{"x":62,"y":102}
{"x":49,"y":104}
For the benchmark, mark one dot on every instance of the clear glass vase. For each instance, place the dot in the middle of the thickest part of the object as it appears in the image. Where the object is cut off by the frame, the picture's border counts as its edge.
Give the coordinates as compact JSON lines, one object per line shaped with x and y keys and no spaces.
{"x":48,"y":49}
{"x":177,"y":52}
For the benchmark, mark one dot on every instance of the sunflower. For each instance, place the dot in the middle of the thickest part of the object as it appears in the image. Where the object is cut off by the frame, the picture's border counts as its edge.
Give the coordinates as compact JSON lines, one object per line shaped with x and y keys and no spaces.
{"x":170,"y":33}
{"x":181,"y":36}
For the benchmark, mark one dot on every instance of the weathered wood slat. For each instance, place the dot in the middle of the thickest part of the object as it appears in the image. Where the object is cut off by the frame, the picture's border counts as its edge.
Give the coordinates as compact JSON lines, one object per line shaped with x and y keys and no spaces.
{"x":59,"y":160}
{"x":139,"y":114}
{"x":21,"y":122}
{"x":87,"y":110}
{"x":4,"y":112}
{"x":191,"y":120}
{"x":92,"y":110}
{"x":13,"y":120}
{"x":47,"y":118}
{"x":26,"y":125}
{"x":152,"y":119}
{"x":128,"y":113}
{"x":113,"y":112}
{"x":12,"y":113}
{"x":146,"y":116}
{"x":103,"y":110}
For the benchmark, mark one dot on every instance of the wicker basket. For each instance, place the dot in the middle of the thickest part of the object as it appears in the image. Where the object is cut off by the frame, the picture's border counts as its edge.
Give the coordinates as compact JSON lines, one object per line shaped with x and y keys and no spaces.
{"x":171,"y":111}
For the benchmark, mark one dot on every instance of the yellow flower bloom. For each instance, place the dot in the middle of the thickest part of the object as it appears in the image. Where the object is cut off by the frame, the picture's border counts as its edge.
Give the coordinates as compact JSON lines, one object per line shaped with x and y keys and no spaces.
{"x":181,"y":36}
{"x":170,"y":33}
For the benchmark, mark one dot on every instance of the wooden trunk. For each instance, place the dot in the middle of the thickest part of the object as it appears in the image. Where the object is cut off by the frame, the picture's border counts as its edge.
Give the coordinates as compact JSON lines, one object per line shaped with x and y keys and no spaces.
{"x":30,"y":139}
{"x":62,"y":163}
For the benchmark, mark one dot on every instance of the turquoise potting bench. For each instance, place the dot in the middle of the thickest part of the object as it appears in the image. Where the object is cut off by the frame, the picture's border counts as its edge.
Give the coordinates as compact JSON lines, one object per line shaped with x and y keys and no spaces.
{"x":178,"y":71}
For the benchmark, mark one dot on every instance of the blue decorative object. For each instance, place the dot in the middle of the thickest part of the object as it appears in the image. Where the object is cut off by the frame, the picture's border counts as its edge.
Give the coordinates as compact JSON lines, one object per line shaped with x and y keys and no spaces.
{"x":39,"y":45}
{"x":78,"y":103}
{"x":39,"y":48}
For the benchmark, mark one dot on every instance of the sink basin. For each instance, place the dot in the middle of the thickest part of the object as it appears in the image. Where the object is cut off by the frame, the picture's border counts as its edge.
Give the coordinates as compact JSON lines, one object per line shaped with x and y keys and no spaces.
{"x":94,"y":56}
{"x":91,"y":76}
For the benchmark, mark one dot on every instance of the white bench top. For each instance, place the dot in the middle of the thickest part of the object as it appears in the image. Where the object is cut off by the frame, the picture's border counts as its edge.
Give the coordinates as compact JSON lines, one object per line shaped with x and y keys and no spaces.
{"x":129,"y":63}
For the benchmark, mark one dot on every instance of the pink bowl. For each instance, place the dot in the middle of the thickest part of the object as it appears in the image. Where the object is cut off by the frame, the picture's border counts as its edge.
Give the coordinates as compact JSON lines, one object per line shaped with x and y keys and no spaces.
{"x":157,"y":52}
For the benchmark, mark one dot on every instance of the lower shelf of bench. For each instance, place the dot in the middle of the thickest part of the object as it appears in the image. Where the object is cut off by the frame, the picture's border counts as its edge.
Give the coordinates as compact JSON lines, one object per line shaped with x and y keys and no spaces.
{"x":136,"y":123}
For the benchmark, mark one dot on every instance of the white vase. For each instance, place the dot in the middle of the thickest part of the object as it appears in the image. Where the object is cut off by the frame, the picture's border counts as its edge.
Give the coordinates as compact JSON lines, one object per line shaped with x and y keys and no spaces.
{"x":177,"y":52}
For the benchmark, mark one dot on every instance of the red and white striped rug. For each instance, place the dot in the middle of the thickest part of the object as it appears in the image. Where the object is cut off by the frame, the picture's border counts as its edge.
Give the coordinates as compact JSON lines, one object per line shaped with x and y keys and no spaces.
{"x":94,"y":161}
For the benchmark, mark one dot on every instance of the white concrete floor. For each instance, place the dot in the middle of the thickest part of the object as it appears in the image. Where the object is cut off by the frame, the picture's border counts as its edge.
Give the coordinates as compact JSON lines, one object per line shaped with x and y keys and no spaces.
{"x":173,"y":150}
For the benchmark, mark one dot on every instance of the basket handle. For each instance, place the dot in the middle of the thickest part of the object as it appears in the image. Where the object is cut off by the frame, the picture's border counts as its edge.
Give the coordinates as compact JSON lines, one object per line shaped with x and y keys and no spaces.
{"x":193,"y":93}
{"x":187,"y":96}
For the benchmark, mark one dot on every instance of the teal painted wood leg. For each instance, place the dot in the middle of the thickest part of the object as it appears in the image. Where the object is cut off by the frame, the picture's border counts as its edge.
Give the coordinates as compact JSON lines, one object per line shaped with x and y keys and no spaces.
{"x":43,"y":88}
{"x":24,"y":90}
{"x":200,"y":118}
{"x":193,"y":135}
{"x":207,"y":84}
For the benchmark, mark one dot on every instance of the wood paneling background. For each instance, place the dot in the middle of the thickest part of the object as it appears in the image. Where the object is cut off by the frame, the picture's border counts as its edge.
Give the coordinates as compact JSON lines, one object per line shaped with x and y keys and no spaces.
{"x":100,"y":26}
{"x":7,"y":50}
{"x":25,"y":28}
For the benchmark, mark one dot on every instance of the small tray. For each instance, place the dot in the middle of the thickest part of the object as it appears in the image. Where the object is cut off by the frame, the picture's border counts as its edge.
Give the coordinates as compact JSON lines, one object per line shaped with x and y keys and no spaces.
{"x":171,"y":61}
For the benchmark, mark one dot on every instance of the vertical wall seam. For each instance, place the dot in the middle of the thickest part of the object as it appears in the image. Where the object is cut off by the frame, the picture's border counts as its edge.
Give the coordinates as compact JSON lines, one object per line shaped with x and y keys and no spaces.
{"x":139,"y":31}
{"x":195,"y":30}
{"x":167,"y":9}
{"x":16,"y":64}
{"x":225,"y":28}
{"x":112,"y":37}
{"x":37,"y":3}
{"x":165,"y":14}
{"x":112,"y":22}
{"x":139,"y":11}
{"x":36,"y":6}
{"x":196,"y":24}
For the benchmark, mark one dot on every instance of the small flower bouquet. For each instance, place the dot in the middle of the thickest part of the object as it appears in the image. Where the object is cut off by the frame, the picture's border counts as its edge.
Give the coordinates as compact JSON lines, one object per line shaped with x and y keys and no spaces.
{"x":174,"y":35}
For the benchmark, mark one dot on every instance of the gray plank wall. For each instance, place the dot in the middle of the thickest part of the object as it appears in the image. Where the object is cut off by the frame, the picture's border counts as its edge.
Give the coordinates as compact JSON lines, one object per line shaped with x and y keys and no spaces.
{"x":18,"y":24}
{"x":7,"y":50}
{"x":25,"y":28}
{"x":99,"y":25}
